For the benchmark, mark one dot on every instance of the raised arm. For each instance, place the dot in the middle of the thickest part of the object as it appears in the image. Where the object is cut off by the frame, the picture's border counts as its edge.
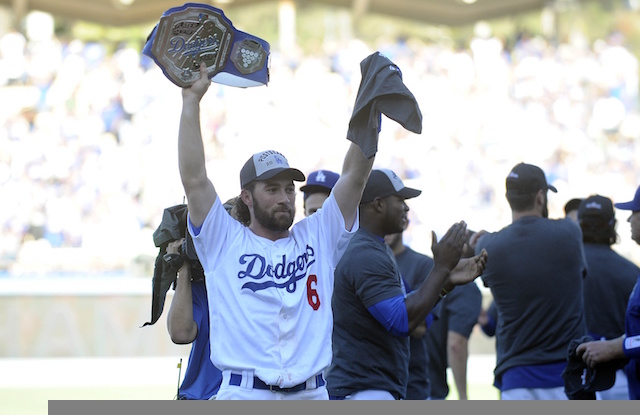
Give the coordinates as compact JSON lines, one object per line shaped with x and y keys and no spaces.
{"x":349,"y":187}
{"x":191,"y":160}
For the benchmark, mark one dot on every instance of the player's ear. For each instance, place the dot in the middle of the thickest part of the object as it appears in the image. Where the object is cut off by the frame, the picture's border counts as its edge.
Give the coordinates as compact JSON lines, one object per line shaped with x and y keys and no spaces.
{"x":246,"y":197}
{"x":379,"y":204}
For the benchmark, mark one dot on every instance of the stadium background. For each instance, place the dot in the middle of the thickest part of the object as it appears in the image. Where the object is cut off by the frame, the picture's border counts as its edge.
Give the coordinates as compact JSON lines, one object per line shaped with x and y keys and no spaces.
{"x":88,"y":163}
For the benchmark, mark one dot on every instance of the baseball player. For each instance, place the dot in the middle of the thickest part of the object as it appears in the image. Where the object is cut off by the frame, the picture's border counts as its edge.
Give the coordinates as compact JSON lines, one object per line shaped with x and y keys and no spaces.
{"x":414,"y":268}
{"x":628,"y":345}
{"x":448,"y":340}
{"x":571,"y":209}
{"x":269,"y":284}
{"x":535,"y":275}
{"x":609,"y":281}
{"x":374,"y":316}
{"x":317,"y":189}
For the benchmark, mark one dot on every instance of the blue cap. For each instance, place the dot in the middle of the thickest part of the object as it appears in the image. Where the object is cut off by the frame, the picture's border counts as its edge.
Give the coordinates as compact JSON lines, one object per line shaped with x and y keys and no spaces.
{"x":320,"y":181}
{"x":632,"y":205}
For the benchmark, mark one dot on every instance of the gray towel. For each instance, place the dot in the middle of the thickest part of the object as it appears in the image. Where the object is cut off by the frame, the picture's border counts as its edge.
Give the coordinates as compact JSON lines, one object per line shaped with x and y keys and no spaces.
{"x":381,"y":91}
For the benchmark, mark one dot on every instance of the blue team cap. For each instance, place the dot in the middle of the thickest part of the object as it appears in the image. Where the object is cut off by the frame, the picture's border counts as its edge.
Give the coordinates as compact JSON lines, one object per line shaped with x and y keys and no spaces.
{"x":319,"y":181}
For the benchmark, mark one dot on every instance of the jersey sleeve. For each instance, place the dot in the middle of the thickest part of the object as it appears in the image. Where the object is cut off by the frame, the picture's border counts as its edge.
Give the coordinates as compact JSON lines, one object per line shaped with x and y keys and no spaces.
{"x":631,"y":347}
{"x":392,"y":314}
{"x":631,"y":344}
{"x":330,"y":228}
{"x":214,"y":233}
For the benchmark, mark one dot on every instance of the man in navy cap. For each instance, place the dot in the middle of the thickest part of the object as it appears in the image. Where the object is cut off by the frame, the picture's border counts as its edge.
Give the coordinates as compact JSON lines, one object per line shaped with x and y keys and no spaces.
{"x":373,"y":315}
{"x":535,"y":275}
{"x":317,"y":189}
{"x":609,"y":281}
{"x":627,"y":345}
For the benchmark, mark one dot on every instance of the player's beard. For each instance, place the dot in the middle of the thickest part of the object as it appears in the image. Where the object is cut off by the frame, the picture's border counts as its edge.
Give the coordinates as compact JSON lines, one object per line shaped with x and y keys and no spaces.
{"x":275,"y":221}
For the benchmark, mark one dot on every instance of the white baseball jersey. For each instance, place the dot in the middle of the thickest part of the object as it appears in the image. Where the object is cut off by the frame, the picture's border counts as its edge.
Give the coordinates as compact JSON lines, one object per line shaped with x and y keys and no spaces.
{"x":270,"y":301}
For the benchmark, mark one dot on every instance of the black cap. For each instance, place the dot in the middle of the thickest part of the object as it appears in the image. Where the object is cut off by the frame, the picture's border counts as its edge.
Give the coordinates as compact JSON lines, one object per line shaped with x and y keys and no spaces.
{"x":596,"y":206}
{"x":527,"y":178}
{"x":383,"y":183}
{"x":582,"y":381}
{"x":572,"y":204}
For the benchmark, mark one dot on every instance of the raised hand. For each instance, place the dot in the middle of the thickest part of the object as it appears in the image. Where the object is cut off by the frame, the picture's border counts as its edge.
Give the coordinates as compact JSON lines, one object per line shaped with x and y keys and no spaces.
{"x":199,"y":87}
{"x":449,"y":250}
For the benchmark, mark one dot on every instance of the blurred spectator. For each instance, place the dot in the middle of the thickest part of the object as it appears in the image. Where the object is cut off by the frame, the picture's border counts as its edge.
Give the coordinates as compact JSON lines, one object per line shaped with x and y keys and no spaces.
{"x":85,"y":128}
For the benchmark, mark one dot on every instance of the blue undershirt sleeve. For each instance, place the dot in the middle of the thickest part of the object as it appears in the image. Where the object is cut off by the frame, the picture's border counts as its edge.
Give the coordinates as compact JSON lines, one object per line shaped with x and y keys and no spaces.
{"x":392,"y":314}
{"x":196,"y":229}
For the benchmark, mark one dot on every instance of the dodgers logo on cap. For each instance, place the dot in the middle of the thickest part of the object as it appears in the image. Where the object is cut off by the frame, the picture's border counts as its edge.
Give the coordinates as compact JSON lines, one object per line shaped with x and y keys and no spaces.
{"x":320,"y":181}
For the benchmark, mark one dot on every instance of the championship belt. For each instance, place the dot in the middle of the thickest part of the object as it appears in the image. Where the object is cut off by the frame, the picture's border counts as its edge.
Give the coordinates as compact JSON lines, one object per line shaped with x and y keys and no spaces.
{"x":194,"y":33}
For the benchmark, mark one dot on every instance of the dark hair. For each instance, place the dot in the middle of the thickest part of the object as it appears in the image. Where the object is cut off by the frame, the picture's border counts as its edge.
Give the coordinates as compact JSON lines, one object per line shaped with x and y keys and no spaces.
{"x":521,"y":201}
{"x":231,"y":206}
{"x":597,"y":230}
{"x":572,"y":204}
{"x":241,"y":210}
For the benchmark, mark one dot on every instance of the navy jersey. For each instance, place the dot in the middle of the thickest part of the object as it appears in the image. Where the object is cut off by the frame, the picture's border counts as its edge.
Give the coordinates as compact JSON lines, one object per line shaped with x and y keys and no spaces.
{"x":457,"y":312}
{"x":610,"y":279}
{"x":365,"y":355}
{"x":632,"y":342}
{"x":535,"y":273}
{"x":414,"y":268}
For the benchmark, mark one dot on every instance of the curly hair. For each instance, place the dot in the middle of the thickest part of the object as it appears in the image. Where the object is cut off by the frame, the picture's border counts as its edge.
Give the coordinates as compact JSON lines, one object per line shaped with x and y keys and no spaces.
{"x":238,"y":210}
{"x":598,"y":230}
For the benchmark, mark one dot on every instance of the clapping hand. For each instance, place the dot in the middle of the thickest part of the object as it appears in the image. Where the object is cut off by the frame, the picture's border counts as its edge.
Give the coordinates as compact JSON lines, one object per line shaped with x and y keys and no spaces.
{"x":449,"y":250}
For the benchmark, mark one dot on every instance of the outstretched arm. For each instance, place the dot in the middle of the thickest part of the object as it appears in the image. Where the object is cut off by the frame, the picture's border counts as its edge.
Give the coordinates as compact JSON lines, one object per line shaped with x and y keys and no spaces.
{"x":191,"y":160}
{"x":349,"y":187}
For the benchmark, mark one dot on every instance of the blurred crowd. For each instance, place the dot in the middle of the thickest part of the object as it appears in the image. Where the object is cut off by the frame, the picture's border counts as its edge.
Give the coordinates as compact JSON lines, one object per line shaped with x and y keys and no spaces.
{"x":88,"y":146}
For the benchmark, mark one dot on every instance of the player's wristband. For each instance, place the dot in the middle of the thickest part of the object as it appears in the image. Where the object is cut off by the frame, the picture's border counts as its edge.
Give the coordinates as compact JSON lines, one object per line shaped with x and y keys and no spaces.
{"x":443,"y":293}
